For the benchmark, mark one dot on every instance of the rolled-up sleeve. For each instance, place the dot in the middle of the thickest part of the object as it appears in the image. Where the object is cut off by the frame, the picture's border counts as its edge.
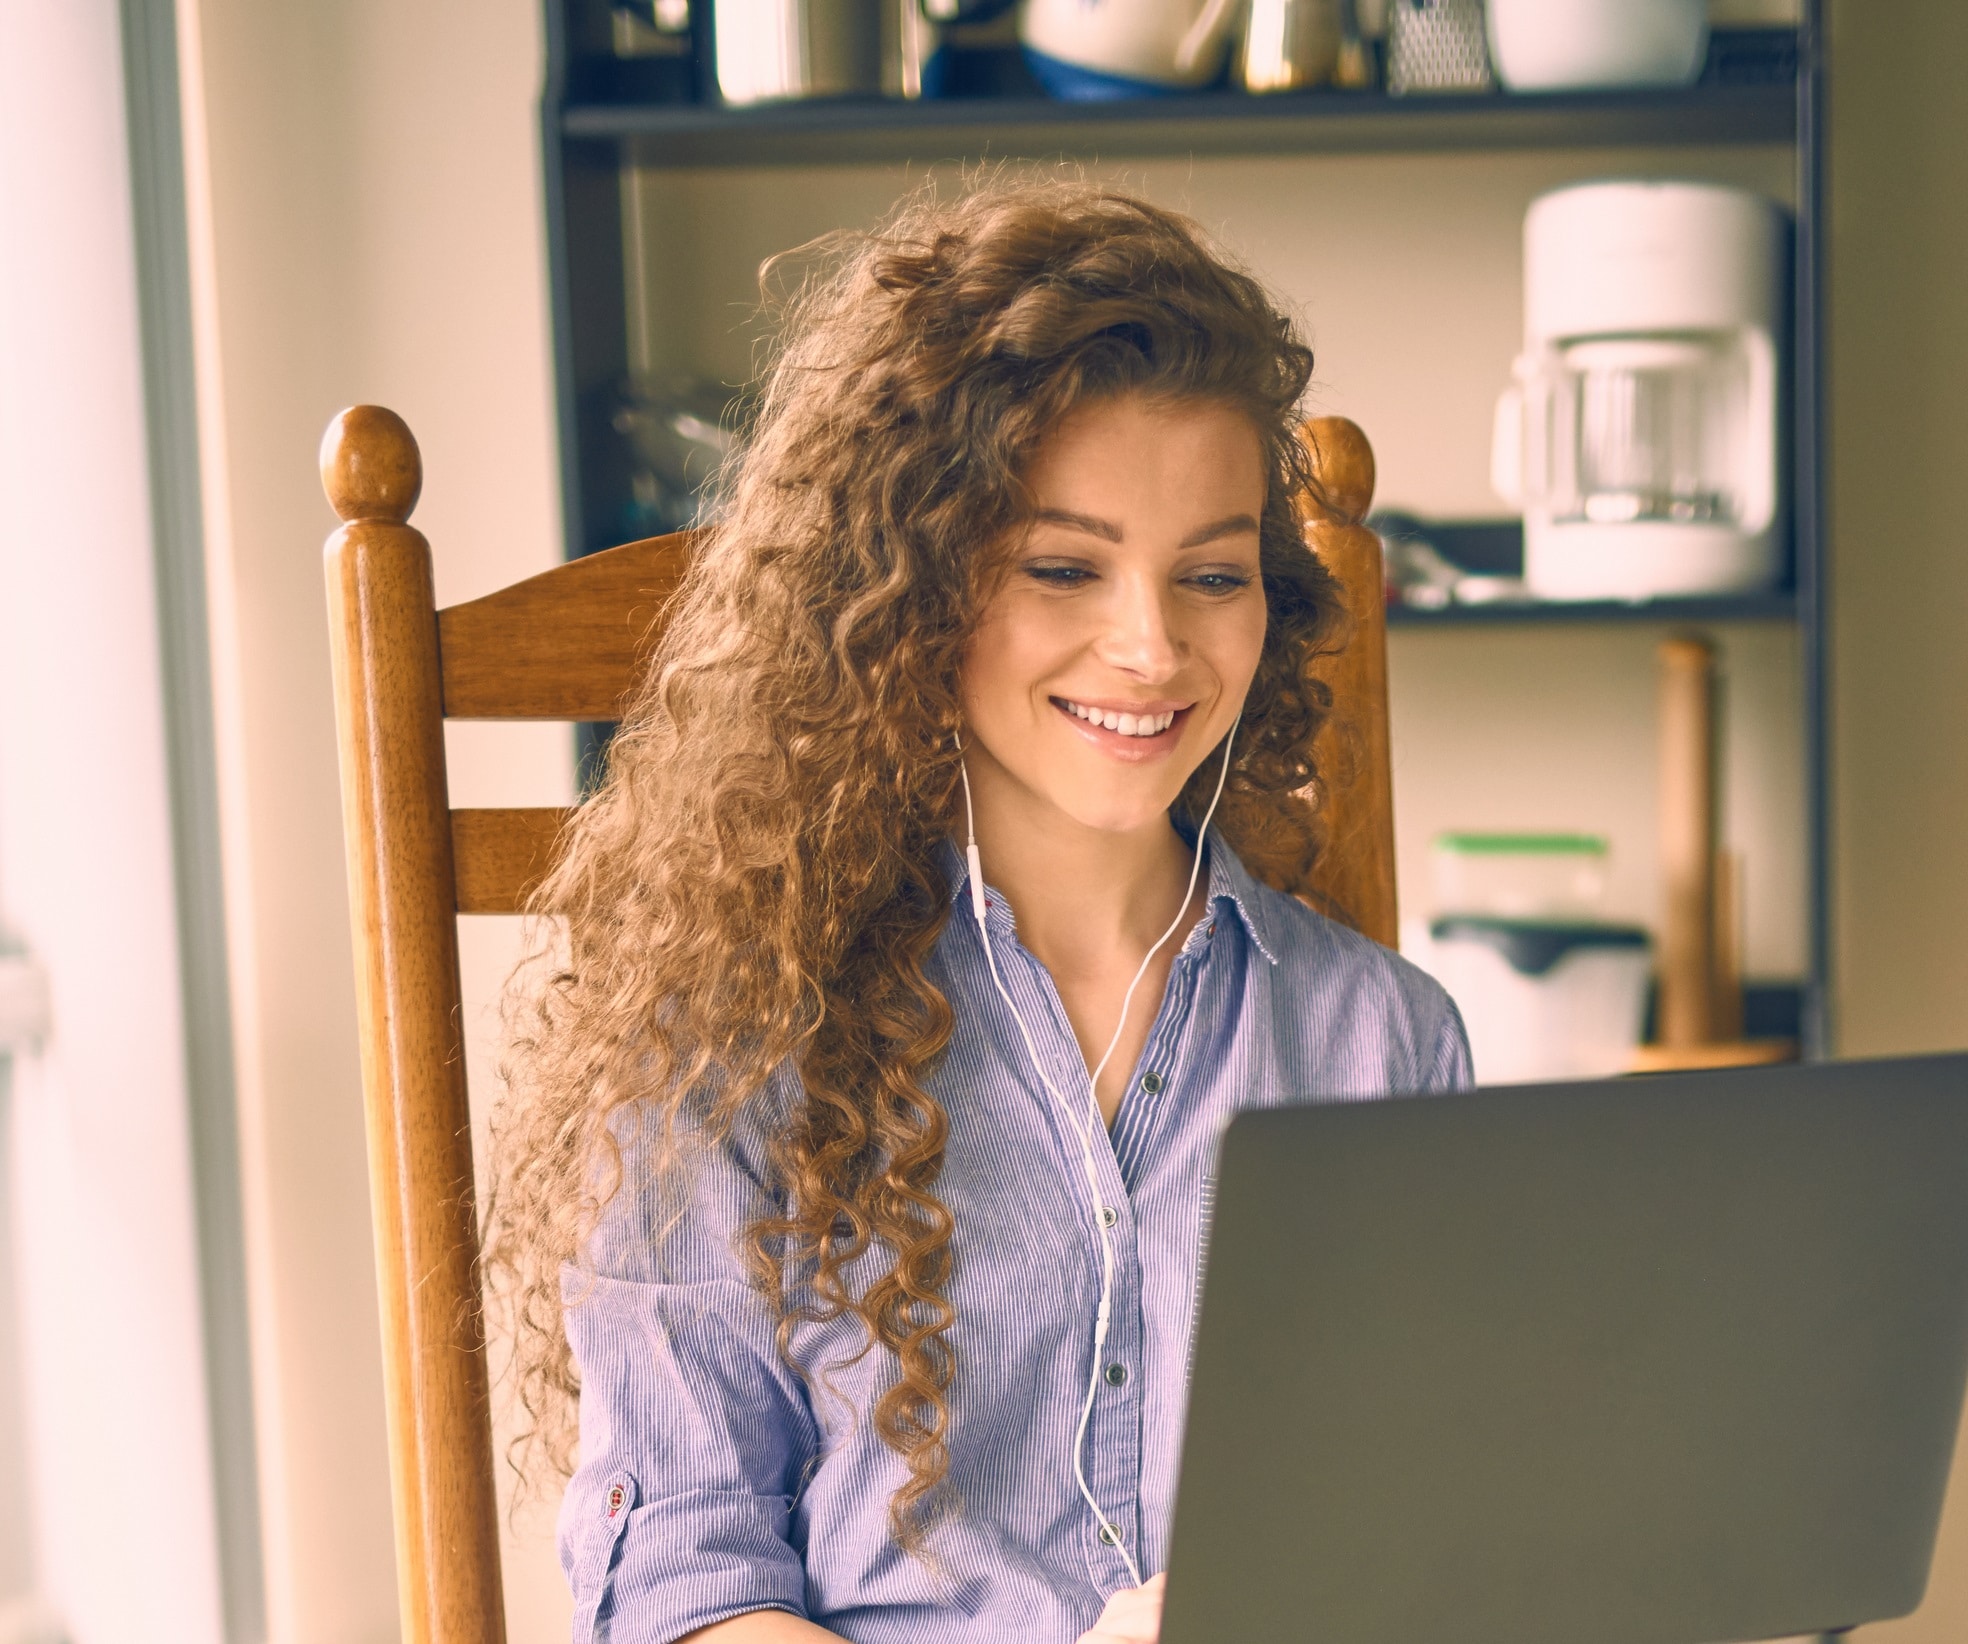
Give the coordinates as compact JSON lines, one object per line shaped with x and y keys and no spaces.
{"x":696,"y":1436}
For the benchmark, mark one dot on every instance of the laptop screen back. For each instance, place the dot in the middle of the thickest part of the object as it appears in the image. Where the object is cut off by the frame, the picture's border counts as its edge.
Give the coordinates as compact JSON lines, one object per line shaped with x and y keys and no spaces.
{"x":1667,"y":1361}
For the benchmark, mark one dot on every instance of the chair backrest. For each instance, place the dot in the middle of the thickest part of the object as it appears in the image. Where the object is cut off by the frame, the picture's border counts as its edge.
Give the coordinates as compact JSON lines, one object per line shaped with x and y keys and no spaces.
{"x":567,"y":645}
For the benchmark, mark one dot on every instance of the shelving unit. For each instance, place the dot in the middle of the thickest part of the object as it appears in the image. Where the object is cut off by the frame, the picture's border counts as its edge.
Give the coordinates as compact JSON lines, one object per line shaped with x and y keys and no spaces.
{"x":693,"y":134}
{"x":1773,"y":607}
{"x":599,"y":123}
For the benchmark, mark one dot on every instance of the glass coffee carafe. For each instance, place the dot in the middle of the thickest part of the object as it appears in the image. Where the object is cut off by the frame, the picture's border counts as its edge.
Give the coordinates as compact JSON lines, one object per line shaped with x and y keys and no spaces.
{"x":1667,"y":428}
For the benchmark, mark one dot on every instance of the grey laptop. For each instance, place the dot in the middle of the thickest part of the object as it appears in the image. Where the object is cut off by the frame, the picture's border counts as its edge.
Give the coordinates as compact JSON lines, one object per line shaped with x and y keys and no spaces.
{"x":1663,"y":1361}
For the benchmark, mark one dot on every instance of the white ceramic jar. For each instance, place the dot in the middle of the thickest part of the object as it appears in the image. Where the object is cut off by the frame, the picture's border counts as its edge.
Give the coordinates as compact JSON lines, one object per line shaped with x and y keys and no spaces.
{"x":1096,"y":49}
{"x":1570,"y":45}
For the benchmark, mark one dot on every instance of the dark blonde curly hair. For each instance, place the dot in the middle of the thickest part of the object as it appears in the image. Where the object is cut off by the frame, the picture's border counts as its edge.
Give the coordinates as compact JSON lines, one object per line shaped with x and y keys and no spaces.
{"x":756,"y":885}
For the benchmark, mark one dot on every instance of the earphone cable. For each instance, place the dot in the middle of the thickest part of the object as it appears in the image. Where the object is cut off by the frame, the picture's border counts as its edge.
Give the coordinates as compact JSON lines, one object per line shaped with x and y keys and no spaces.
{"x":1083,"y":1126}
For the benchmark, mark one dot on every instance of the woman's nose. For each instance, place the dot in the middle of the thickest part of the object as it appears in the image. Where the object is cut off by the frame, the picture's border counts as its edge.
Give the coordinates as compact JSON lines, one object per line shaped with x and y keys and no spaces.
{"x":1140,"y":636}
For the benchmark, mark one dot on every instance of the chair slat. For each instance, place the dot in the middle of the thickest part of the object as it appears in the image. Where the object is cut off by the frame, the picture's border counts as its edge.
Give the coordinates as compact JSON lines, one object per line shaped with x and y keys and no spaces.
{"x":565,"y":644}
{"x":498,"y":856}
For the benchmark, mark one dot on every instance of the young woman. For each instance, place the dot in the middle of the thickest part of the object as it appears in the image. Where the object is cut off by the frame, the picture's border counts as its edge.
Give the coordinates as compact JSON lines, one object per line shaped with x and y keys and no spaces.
{"x":857,"y":1199}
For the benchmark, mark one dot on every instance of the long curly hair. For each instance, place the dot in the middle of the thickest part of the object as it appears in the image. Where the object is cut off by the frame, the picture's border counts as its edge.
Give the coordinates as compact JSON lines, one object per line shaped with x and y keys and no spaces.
{"x":749,"y":900}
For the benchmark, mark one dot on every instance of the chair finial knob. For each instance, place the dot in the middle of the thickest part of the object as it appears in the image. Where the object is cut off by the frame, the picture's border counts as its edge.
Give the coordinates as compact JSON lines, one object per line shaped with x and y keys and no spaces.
{"x":1344,"y":464}
{"x":369,"y":465}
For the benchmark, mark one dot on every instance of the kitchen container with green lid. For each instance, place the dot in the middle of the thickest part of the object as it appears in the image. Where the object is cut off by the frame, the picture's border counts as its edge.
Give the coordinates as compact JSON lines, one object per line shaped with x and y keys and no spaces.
{"x":1519,"y":875}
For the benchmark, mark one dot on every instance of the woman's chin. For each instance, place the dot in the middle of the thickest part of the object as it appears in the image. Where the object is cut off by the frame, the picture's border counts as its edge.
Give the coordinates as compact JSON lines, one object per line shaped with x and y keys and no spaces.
{"x":1101,"y":815}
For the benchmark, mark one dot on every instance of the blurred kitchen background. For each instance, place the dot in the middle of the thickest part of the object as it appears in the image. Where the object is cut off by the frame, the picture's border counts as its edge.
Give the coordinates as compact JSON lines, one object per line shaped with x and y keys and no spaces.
{"x":221,"y":221}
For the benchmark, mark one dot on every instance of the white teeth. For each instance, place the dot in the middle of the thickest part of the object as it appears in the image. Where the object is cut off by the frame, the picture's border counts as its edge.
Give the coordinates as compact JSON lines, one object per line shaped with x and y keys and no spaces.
{"x":1125,"y":724}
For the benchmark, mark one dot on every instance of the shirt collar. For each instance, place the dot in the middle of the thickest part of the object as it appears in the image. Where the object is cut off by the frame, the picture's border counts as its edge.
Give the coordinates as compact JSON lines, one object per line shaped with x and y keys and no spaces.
{"x":1229,"y":881}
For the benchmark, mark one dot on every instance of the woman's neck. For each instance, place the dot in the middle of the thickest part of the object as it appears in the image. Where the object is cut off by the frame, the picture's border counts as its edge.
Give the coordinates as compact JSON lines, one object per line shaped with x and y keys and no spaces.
{"x":1085,"y":898}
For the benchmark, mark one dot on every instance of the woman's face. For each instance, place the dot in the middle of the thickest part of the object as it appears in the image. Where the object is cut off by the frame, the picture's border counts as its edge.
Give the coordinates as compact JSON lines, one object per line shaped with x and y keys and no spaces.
{"x":1117,"y":652}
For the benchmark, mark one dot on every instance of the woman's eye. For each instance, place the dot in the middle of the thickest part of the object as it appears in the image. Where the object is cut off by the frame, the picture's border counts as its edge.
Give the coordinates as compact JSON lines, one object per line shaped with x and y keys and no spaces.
{"x":1059,"y":576}
{"x":1219,"y":582}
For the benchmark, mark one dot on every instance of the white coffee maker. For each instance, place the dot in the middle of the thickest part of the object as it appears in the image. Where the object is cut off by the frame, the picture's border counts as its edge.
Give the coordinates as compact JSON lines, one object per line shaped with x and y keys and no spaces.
{"x":1641,"y":435}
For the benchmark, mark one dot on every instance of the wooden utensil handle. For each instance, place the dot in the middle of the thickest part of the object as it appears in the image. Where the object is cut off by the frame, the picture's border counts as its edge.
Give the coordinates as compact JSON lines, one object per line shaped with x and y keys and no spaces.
{"x":1687,"y":841}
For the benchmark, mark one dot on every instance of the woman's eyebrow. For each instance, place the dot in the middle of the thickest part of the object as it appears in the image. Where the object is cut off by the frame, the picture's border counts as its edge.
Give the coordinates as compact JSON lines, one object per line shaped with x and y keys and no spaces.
{"x":1108,"y":531}
{"x":1235,"y":525}
{"x":1103,"y":528}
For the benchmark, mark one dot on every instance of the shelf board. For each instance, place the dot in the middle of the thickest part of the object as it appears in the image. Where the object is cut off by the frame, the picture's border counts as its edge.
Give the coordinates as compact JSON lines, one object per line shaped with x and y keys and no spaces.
{"x":1773,"y":607}
{"x":833,"y":131}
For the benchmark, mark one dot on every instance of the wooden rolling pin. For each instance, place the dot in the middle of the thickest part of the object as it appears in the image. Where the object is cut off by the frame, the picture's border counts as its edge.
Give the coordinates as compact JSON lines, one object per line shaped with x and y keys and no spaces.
{"x":1688,"y":840}
{"x":1699,"y":1011}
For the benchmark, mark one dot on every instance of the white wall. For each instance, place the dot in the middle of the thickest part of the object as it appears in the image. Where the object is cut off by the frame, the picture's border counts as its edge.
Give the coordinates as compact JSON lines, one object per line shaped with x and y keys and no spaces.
{"x":367,"y":225}
{"x":1899,"y":407}
{"x":99,"y":1190}
{"x":22,"y":1607}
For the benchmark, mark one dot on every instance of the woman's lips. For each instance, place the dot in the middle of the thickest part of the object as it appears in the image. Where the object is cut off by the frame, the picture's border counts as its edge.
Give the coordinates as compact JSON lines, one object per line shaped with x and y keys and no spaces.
{"x":1119,"y":744}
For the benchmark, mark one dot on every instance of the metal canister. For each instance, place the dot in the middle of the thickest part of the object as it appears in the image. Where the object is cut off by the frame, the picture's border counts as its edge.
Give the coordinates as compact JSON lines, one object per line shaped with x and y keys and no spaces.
{"x":1289,"y":44}
{"x":769,"y":50}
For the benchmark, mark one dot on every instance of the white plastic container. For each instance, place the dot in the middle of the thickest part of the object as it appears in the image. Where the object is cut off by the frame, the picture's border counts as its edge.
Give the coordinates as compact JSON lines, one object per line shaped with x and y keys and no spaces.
{"x":1546,"y":988}
{"x":1544,"y":1000}
{"x":1560,"y":45}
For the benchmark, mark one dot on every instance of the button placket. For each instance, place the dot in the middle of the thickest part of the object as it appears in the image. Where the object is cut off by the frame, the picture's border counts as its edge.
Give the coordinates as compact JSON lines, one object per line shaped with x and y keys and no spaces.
{"x":1114,"y":1455}
{"x":1142,"y":1113}
{"x":1037,"y":999}
{"x":1114,"y":1436}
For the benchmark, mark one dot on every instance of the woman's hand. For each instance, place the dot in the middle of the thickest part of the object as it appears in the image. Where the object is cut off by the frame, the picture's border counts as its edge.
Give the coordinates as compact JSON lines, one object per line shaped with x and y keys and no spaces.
{"x":1131,"y":1617}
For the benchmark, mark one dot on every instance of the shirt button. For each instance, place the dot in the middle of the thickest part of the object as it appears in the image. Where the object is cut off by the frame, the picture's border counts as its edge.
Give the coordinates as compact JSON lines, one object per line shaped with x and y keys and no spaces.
{"x":1152,"y":1083}
{"x":1109,"y":1215}
{"x":1116,"y":1374}
{"x":1110,"y":1536}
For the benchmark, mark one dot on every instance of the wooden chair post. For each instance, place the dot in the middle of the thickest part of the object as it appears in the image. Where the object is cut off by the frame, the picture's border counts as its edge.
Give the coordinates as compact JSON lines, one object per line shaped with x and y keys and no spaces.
{"x":1353,"y":877}
{"x":384,"y":634}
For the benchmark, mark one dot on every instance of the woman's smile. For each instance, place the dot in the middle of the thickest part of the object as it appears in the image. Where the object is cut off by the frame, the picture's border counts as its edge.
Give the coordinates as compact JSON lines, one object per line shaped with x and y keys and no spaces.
{"x":1132,"y":731}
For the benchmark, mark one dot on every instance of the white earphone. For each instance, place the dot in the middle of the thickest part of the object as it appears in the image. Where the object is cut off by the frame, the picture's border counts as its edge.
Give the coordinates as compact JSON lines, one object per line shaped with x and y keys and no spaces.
{"x":1083,"y":1123}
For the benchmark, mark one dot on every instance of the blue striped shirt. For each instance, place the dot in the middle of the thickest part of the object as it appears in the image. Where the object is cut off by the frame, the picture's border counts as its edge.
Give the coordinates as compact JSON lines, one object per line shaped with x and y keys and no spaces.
{"x":715,"y":1479}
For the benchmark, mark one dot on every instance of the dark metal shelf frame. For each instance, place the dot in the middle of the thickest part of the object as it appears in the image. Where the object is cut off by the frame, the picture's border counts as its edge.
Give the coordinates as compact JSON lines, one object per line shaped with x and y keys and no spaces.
{"x":819,"y":132}
{"x":590,"y":132}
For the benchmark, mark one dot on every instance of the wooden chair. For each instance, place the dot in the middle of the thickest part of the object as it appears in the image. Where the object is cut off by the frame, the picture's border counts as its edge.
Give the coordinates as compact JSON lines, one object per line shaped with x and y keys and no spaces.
{"x":566,"y":645}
